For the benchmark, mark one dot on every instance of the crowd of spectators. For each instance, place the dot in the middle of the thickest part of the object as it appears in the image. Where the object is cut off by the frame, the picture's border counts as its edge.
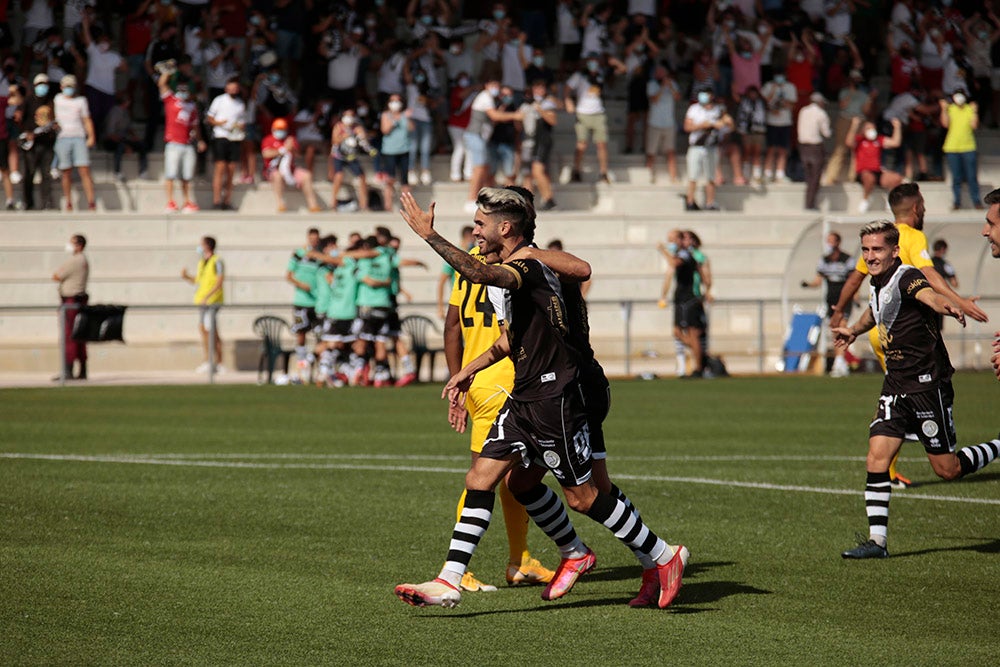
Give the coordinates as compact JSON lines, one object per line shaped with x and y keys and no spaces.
{"x":377,"y":87}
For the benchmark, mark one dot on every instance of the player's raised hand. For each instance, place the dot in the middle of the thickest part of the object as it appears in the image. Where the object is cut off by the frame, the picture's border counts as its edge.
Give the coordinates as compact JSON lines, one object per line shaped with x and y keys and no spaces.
{"x":419,"y":220}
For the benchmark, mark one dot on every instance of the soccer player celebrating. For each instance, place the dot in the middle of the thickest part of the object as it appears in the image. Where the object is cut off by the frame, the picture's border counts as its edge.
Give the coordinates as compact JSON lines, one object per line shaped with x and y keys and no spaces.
{"x":991,"y":231}
{"x":916,"y":395}
{"x":543,"y":422}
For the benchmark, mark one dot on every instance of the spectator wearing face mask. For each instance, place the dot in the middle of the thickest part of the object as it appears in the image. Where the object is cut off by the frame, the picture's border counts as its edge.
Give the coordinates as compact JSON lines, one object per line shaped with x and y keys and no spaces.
{"x":279,"y":150}
{"x":781,"y":98}
{"x":227,"y":115}
{"x":491,"y":36}
{"x":220,"y":60}
{"x":181,"y":138}
{"x":961,"y":118}
{"x":537,"y":125}
{"x":74,"y":140}
{"x":396,"y":127}
{"x":36,"y":142}
{"x":458,"y":60}
{"x":868,"y":145}
{"x":477,"y":135}
{"x":419,"y":103}
{"x":349,"y":141}
{"x":585,"y":98}
{"x":102,"y":64}
{"x":459,"y":112}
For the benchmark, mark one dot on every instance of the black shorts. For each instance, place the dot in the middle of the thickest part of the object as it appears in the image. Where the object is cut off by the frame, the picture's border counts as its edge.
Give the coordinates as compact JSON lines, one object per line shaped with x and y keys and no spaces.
{"x":340,"y":331}
{"x":878,"y":176}
{"x":542,"y":151}
{"x":690,"y":314}
{"x":391,"y":328}
{"x":778,"y":136}
{"x":372,"y":322}
{"x":4,"y":156}
{"x":571,"y":52}
{"x":224,"y":150}
{"x":596,"y":393}
{"x":928,"y":414}
{"x":549,"y":432}
{"x":304,"y":319}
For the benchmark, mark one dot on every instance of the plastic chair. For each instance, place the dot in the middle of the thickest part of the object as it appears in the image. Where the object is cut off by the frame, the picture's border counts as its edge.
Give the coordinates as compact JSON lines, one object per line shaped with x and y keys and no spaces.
{"x":270,"y":328}
{"x":417,"y":327}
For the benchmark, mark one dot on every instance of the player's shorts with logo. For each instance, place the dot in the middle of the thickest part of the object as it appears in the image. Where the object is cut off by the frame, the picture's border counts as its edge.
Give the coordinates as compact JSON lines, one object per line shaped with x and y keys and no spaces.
{"x":927,"y":413}
{"x":305,"y":319}
{"x":596,"y":393}
{"x":372,"y":322}
{"x":689,"y":314}
{"x":550,"y":432}
{"x":340,"y":331}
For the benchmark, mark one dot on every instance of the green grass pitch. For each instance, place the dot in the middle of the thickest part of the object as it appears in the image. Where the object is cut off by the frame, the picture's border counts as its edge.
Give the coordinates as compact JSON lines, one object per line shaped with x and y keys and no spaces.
{"x":268,"y":525}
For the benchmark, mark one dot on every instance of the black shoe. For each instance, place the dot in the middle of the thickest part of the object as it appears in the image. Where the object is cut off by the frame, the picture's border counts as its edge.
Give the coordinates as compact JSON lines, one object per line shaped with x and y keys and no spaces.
{"x":549,"y":204}
{"x":866,"y":549}
{"x":218,"y":206}
{"x":575,"y":177}
{"x":691,"y":206}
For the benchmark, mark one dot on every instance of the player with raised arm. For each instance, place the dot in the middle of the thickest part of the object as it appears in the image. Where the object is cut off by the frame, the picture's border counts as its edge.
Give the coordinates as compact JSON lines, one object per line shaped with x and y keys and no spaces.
{"x":917,"y":395}
{"x":543,"y":423}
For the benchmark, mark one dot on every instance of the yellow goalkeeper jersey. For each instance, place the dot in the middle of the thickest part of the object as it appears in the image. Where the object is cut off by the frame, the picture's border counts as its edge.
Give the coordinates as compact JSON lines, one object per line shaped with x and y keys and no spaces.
{"x":479,"y":330}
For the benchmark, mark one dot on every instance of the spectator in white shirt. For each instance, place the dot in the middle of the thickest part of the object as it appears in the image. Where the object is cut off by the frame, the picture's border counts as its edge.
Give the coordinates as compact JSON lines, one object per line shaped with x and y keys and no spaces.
{"x":227,"y":117}
{"x":75,"y":139}
{"x":102,"y":63}
{"x":813,"y":128}
{"x":780,"y":96}
{"x":705,"y":121}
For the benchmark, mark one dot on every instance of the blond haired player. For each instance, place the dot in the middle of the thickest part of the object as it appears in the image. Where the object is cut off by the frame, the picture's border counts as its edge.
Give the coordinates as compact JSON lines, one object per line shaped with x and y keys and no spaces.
{"x":907,"y":205}
{"x":470,"y":329}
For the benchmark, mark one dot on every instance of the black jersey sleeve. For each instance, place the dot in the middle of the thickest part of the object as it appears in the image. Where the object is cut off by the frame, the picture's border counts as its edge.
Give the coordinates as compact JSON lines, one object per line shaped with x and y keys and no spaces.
{"x":912,"y":282}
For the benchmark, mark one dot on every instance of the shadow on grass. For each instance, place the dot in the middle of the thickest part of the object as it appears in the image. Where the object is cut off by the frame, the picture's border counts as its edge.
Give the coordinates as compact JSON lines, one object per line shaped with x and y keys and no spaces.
{"x":974,"y":478}
{"x":988,"y":545}
{"x":626,"y":573}
{"x":692,"y":593}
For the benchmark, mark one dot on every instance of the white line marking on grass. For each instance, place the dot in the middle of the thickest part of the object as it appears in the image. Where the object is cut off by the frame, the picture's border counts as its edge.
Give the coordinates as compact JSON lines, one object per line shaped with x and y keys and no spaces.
{"x":379,"y":468}
{"x":446,"y":457}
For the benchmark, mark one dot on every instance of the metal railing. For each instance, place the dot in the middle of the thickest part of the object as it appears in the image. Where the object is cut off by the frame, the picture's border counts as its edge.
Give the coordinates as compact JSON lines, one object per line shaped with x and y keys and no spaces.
{"x":969,"y":341}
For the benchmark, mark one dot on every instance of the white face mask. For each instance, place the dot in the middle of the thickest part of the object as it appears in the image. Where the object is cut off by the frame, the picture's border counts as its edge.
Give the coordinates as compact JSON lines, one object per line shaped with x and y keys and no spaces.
{"x":70,"y":248}
{"x":200,"y":251}
{"x":493,"y":90}
{"x":871,"y":134}
{"x":959,"y":99}
{"x":395,"y":105}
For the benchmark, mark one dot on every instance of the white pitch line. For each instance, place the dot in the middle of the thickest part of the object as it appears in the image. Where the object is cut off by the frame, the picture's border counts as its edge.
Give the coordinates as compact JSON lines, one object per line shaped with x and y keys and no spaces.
{"x":447,"y":457}
{"x":343,"y":466}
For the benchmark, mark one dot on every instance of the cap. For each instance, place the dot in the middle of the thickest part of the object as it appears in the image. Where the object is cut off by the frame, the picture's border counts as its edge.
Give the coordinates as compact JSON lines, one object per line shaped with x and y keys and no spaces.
{"x":279,"y":124}
{"x":267,"y":59}
{"x":68,"y":80}
{"x":41,"y":78}
{"x":817,"y":98}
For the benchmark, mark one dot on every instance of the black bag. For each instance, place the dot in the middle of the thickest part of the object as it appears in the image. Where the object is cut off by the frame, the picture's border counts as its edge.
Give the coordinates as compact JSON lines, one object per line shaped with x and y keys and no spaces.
{"x":97,"y":324}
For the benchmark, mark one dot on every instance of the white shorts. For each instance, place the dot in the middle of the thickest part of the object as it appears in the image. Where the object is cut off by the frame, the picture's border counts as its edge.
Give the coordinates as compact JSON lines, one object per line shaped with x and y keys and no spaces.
{"x":207,"y":315}
{"x":178,"y":162}
{"x":701,"y":162}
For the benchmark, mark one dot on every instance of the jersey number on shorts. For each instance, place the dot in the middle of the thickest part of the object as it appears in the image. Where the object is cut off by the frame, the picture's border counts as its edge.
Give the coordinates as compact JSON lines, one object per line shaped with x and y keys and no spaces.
{"x":481,"y":304}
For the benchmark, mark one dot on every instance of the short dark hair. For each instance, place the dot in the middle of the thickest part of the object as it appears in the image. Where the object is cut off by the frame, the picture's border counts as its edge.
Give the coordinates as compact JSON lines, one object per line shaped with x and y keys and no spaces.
{"x":884,"y":227}
{"x":555,"y":244}
{"x":940,"y":244}
{"x":210,"y":242}
{"x":901,"y":195}
{"x":837,"y":236}
{"x":80,"y":240}
{"x":992,"y":198}
{"x":313,"y":230}
{"x":327,"y":240}
{"x":383,"y":233}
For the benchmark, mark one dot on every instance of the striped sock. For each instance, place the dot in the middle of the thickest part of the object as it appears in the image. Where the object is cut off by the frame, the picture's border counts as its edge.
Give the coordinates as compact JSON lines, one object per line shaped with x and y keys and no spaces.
{"x":975,"y":457}
{"x":549,"y":514}
{"x":644,"y":559}
{"x":628,"y":527}
{"x":473,"y":522}
{"x":878,"y":489}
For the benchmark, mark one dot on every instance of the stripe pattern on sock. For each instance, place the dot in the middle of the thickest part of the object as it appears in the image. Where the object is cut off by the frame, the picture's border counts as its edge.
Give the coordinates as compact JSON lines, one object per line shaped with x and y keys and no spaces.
{"x":975,"y":457}
{"x":878,"y":490}
{"x":475,"y":519}
{"x":549,"y":514}
{"x":627,"y":526}
{"x":644,"y":559}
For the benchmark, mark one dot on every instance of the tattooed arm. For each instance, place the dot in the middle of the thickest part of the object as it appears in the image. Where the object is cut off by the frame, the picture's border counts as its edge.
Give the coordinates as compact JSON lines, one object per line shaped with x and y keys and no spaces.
{"x":422,"y":222}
